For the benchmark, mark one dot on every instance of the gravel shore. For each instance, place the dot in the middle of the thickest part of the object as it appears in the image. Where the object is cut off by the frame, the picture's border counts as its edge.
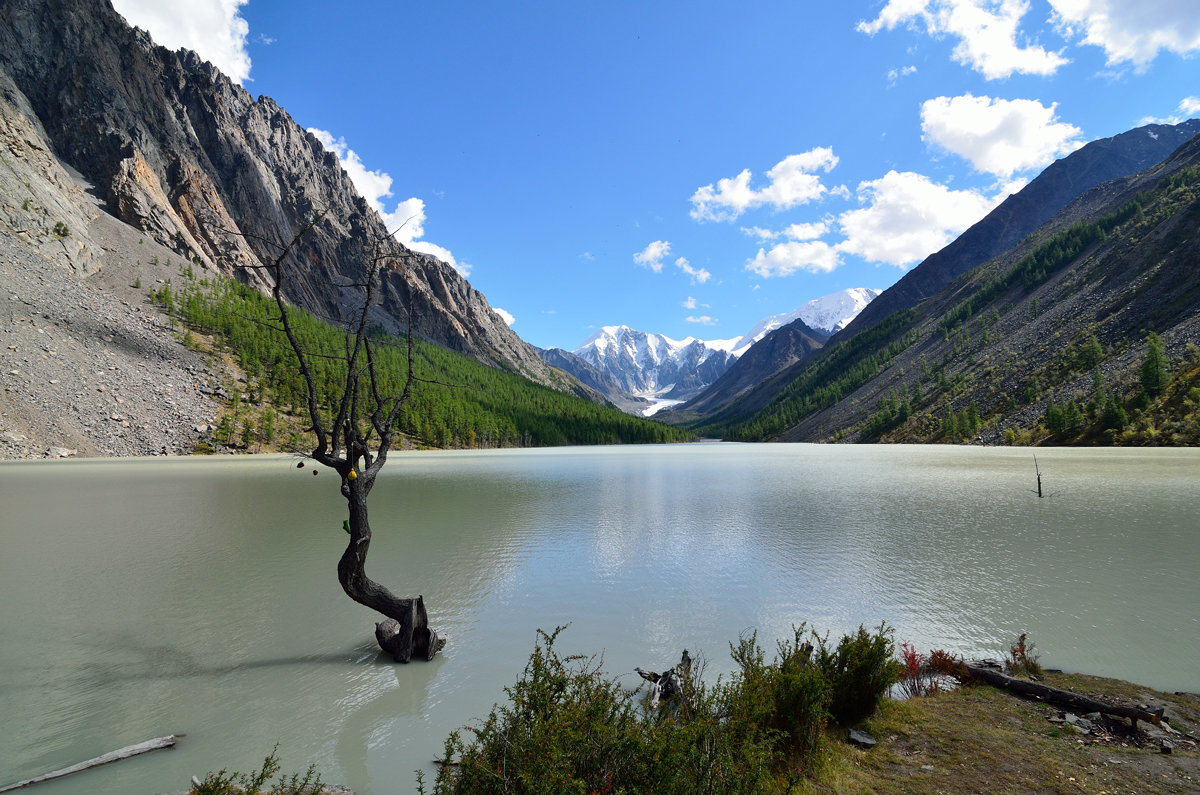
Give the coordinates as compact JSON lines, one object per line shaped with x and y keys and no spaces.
{"x":88,"y":366}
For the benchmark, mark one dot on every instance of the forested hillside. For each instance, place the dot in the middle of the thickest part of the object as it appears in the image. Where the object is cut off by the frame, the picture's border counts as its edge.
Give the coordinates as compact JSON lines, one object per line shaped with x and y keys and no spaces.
{"x":1084,"y":333}
{"x":456,"y":401}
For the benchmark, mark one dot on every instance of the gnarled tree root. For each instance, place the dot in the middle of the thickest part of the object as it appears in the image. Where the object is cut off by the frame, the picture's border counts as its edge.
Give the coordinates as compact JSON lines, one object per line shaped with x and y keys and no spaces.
{"x":411,"y":636}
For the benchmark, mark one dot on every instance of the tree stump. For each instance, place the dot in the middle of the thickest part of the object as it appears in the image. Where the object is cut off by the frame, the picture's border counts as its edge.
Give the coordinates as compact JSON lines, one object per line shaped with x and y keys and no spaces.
{"x":410,"y":637}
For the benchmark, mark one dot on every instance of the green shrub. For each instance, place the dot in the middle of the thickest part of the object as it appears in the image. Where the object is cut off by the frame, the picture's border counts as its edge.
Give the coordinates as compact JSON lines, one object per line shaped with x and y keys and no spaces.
{"x":566,"y":727}
{"x":223,"y":783}
{"x":860,"y":671}
{"x":789,"y":698}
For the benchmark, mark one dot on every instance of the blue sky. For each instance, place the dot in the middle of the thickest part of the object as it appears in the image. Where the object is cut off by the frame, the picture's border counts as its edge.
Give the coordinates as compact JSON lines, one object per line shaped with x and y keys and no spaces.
{"x":690,"y":168}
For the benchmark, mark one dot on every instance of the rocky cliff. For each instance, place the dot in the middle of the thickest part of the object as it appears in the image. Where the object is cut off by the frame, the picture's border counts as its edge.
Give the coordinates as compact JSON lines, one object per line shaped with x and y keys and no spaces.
{"x":178,"y":151}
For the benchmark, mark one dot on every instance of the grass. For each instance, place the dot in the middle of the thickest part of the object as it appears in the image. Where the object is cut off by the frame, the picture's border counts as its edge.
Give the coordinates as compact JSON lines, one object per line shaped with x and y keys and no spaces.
{"x":980,"y":739}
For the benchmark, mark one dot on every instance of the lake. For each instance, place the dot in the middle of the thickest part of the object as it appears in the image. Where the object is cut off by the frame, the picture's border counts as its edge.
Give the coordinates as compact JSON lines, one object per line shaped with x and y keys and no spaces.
{"x":154,"y":596}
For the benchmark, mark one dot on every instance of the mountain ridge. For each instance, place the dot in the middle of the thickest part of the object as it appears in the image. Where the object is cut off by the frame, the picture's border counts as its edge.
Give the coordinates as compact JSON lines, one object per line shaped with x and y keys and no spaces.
{"x":642,"y":369}
{"x":1078,"y":171}
{"x":1022,"y":213}
{"x":177,"y":150}
{"x":1060,"y":320}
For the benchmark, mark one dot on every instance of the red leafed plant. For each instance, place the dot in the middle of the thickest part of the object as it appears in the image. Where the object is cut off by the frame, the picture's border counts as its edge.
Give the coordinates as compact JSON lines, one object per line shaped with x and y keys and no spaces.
{"x":924,"y":675}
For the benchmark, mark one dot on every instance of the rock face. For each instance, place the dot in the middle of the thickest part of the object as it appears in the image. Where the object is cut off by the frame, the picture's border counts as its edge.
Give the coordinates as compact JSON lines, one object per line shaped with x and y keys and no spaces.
{"x":178,"y":151}
{"x":41,"y":207}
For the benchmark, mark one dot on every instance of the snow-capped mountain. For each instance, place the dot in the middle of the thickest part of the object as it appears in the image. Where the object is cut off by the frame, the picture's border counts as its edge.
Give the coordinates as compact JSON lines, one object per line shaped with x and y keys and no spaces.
{"x":665,"y":370}
{"x":828,"y":314}
{"x":654,"y":365}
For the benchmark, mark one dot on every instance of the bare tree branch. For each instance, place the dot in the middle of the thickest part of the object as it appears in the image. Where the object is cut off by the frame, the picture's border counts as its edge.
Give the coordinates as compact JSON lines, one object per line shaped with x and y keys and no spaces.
{"x":363,"y":414}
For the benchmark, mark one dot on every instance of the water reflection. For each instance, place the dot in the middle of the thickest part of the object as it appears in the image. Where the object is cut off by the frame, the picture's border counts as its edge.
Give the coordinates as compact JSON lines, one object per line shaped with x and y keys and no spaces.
{"x":148,"y":597}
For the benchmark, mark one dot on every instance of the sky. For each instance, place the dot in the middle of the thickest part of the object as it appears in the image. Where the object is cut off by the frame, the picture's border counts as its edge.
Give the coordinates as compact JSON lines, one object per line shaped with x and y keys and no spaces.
{"x":690,"y":168}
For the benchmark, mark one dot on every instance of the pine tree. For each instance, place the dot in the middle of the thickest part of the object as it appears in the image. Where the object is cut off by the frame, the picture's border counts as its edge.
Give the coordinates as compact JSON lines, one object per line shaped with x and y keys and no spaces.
{"x":1154,"y":368}
{"x":1055,"y":419}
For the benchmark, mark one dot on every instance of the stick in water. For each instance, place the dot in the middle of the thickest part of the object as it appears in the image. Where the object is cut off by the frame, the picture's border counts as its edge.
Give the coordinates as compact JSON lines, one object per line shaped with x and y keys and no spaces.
{"x":111,"y":756}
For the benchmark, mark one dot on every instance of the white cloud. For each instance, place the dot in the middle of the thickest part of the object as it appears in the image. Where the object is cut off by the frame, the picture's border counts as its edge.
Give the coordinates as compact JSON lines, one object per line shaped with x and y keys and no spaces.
{"x":212,"y":28}
{"x":760,"y":233}
{"x":893,"y":14}
{"x":785,"y":259}
{"x":407,"y":221}
{"x":793,"y":182}
{"x":1189,"y":107}
{"x":806,"y":231}
{"x":703,"y":320}
{"x":908,"y":217}
{"x":1132,"y":31}
{"x":698,"y":275}
{"x":505,"y":316}
{"x":690,"y":303}
{"x":652,"y":255}
{"x":987,"y":31}
{"x":998,"y":136}
{"x":895,"y":74}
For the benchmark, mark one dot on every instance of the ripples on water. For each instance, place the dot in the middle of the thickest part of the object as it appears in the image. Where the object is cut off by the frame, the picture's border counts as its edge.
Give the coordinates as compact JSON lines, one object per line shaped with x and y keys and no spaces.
{"x":148,"y":597}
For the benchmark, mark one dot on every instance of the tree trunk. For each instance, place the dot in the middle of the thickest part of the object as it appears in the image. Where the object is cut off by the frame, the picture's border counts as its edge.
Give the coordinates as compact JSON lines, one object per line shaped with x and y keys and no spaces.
{"x":407,"y":633}
{"x":1062,"y":698}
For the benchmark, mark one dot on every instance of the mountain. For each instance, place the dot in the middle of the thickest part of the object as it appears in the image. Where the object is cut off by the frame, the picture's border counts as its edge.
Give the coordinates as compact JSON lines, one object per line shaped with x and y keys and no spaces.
{"x":654,"y":365}
{"x":1045,"y":343}
{"x":777,"y":343}
{"x":774,"y":353}
{"x":637,"y":370}
{"x":826,"y":315}
{"x":1012,"y":221}
{"x":172,"y":147}
{"x":595,"y":378}
{"x":1022,"y":213}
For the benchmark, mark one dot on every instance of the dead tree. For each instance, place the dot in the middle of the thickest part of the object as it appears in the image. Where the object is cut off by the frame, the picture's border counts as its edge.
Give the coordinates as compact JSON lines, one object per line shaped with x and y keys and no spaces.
{"x":670,"y":683}
{"x":353,"y":435}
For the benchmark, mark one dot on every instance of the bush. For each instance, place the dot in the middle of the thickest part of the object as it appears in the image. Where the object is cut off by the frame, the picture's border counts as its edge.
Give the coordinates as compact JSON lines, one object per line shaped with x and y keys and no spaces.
{"x":789,"y":698}
{"x":860,"y":671}
{"x":922,"y":675}
{"x":568,"y":728}
{"x":223,"y":783}
{"x":1022,"y":659}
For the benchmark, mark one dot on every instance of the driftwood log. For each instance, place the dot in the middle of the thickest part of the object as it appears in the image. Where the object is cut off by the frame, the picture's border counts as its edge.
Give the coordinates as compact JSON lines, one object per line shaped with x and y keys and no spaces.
{"x":1059,"y":697}
{"x":111,"y":756}
{"x":670,"y":682}
{"x":411,"y":637}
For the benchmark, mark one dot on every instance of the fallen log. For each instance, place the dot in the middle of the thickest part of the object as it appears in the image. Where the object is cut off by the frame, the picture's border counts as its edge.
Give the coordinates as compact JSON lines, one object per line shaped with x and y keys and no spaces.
{"x":1062,"y":698}
{"x":111,"y":756}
